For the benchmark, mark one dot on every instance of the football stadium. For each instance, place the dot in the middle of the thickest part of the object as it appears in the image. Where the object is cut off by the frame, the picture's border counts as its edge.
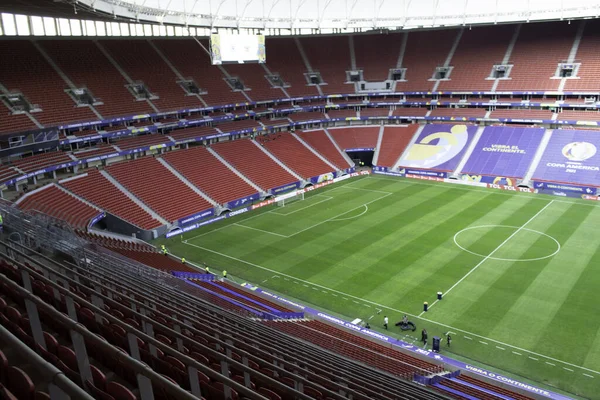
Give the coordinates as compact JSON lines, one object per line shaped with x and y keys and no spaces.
{"x":299,"y":199}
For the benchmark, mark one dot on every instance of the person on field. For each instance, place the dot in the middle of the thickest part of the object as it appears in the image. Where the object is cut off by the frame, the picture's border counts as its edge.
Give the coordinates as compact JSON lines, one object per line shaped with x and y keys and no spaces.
{"x":183,"y":260}
{"x":385,"y":322}
{"x":163,"y":249}
{"x":424,"y":337}
{"x":448,"y":339}
{"x":224,"y":274}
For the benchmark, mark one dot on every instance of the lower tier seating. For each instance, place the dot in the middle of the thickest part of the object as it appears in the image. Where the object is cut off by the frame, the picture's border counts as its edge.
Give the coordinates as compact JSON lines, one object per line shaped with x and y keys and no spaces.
{"x":142,"y":177}
{"x":319,"y":141}
{"x":356,"y":137}
{"x":294,"y":154}
{"x":209,"y":174}
{"x":394,"y":142}
{"x":247,"y":158}
{"x":98,"y":190}
{"x":61,"y":205}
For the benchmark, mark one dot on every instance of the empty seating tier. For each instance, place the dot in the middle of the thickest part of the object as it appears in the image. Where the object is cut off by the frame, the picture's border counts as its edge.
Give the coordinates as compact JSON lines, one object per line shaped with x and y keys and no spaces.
{"x":247,"y":158}
{"x":341,"y":113}
{"x":86,"y":66}
{"x":394,"y":142}
{"x":193,"y":62}
{"x":356,"y":138}
{"x":330,"y":55}
{"x":424,"y":52}
{"x":285,"y":59}
{"x":209,"y":174}
{"x":571,"y":115}
{"x":358,"y":348}
{"x":294,"y":154}
{"x":135,"y":142}
{"x":40,"y":161}
{"x":320,"y":142}
{"x":535,"y":57}
{"x":587,"y":54}
{"x":376,"y":55}
{"x":95,"y":151}
{"x":61,"y":205}
{"x":142,"y":63}
{"x":29,"y":73}
{"x":306,"y":116}
{"x":374,"y":112}
{"x":254,"y":78}
{"x":192,"y":133}
{"x":152,"y":183}
{"x":522,"y":114}
{"x":459,"y":112}
{"x":239,"y":125}
{"x":410,"y":112}
{"x":479,"y":49}
{"x":97,"y":189}
{"x":14,"y":122}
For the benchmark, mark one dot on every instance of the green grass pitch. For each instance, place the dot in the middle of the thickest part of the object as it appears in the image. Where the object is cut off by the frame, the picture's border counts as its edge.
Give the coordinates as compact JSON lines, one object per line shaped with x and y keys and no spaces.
{"x":520,"y":272}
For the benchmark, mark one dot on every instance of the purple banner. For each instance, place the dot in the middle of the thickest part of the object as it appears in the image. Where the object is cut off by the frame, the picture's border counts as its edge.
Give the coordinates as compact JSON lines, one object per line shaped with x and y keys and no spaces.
{"x":504,"y":151}
{"x":361,"y":149}
{"x":543,"y":186}
{"x":197,"y":216}
{"x":496,"y":180}
{"x":95,"y":220}
{"x":285,"y":188}
{"x":243,"y":201}
{"x":423,"y":172}
{"x":571,"y":156}
{"x":439,"y":146}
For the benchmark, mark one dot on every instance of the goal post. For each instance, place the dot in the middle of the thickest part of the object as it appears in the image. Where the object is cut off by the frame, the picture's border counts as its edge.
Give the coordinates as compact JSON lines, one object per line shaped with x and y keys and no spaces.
{"x":292,"y":197}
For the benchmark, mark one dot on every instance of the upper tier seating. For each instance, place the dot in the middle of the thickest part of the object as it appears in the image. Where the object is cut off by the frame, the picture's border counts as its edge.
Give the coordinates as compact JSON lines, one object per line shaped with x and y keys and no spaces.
{"x":253,"y":76}
{"x":209,"y":174}
{"x":285,"y":59}
{"x":330,"y":55}
{"x":410,"y":111}
{"x":194,"y":63}
{"x":173,"y":201}
{"x":356,"y":137}
{"x":394,"y":142}
{"x":320,"y":142}
{"x":344,"y":113}
{"x":425,"y":51}
{"x":254,"y":164}
{"x":358,"y":348}
{"x":374,"y":112}
{"x":40,"y":161}
{"x":135,"y":142}
{"x":141,"y":62}
{"x":535,"y":57}
{"x":525,"y":114}
{"x":587,"y":54}
{"x":306,"y":116}
{"x":458,"y":112}
{"x":238,"y":125}
{"x":294,"y":154}
{"x":192,"y":133}
{"x":61,"y":205}
{"x":14,"y":123}
{"x":7,"y":173}
{"x":98,"y":190}
{"x":578,"y":115}
{"x":376,"y":55}
{"x":86,"y":66}
{"x":96,"y":151}
{"x":479,"y":49}
{"x":29,"y":73}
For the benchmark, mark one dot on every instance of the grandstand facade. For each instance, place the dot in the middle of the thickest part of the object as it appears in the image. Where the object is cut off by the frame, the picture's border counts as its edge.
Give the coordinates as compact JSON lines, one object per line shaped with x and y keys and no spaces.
{"x":109,"y":143}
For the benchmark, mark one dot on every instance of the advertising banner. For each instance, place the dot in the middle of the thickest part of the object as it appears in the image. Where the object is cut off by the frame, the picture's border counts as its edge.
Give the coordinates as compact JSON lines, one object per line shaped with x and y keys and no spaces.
{"x":439,"y":146}
{"x":197,"y":216}
{"x":498,"y":180}
{"x":563,"y":187}
{"x":284,"y":188}
{"x":240,"y":202}
{"x":322,"y":178}
{"x":571,"y":157}
{"x":504,"y":151}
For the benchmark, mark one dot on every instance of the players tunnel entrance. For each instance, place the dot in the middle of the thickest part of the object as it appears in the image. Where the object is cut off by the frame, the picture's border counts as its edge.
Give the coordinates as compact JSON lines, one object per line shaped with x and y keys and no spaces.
{"x":361,"y":157}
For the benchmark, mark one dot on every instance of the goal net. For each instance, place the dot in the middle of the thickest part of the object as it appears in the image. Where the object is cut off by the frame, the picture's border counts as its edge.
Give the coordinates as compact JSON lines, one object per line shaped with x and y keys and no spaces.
{"x":287,"y":199}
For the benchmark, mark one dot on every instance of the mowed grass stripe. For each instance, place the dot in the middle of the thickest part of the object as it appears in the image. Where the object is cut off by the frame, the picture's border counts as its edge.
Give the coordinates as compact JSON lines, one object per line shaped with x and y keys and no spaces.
{"x":432,"y":241}
{"x":447,"y":271}
{"x":506,"y":281}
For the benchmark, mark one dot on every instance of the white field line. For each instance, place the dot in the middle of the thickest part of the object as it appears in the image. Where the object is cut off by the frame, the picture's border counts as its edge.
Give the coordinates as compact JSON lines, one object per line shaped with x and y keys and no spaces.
{"x":260,"y":230}
{"x":491,"y":254}
{"x":327,"y":198}
{"x":346,"y":296}
{"x":344,"y":186}
{"x":356,"y":216}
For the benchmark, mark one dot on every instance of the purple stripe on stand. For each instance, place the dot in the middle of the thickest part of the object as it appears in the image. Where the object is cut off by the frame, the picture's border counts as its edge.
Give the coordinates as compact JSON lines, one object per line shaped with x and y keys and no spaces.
{"x":454,"y":391}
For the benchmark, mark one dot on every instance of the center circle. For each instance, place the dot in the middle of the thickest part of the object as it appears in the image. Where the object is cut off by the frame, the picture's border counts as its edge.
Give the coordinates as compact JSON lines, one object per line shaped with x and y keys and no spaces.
{"x":516,"y":229}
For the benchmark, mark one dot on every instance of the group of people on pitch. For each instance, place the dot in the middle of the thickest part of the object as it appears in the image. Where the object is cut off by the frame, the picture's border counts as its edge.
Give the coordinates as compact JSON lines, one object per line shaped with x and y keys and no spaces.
{"x":405,"y":324}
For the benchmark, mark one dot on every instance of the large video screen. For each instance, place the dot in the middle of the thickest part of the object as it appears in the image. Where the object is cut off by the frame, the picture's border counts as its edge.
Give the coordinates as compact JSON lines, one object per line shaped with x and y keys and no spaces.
{"x":242,"y":48}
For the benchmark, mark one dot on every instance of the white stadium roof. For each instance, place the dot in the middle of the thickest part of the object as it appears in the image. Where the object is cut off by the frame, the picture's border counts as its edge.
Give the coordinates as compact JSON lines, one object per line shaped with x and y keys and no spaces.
{"x":304,"y":16}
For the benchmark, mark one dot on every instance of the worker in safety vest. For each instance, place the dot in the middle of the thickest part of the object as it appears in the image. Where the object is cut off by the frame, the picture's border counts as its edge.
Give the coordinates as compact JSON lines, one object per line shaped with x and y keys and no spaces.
{"x":224,"y":274}
{"x":163,"y":249}
{"x":183,"y":260}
